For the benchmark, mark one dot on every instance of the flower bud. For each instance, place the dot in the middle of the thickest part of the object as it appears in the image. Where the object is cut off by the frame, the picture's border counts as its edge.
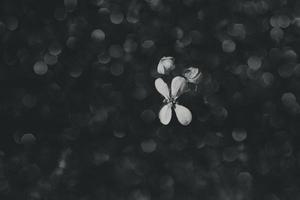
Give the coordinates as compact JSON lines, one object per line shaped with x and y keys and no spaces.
{"x":192,"y":74}
{"x":165,"y":65}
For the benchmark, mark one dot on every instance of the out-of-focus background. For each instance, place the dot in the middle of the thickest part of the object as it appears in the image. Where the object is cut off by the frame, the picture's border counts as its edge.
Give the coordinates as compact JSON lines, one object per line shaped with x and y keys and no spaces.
{"x":78,"y":107}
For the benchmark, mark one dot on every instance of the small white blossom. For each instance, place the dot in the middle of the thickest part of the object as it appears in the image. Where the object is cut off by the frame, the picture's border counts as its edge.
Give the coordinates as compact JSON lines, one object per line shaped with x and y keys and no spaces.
{"x":165,"y":65}
{"x":178,"y":87}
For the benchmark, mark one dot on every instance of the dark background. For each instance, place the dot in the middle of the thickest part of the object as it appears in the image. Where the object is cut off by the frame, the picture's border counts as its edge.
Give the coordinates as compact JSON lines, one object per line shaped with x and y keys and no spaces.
{"x":78,"y":107}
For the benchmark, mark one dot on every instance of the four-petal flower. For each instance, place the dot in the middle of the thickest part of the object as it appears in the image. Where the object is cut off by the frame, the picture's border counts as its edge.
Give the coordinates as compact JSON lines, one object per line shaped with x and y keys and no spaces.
{"x":178,"y":87}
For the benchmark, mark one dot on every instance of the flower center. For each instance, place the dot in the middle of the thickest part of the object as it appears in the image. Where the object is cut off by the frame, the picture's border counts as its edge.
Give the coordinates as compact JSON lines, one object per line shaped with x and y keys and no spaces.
{"x":171,"y":100}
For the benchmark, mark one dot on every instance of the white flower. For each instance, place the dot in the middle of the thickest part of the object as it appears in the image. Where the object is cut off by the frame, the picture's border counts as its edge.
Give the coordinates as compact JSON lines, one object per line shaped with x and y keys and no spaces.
{"x":192,"y":74}
{"x":178,"y":87}
{"x":165,"y":65}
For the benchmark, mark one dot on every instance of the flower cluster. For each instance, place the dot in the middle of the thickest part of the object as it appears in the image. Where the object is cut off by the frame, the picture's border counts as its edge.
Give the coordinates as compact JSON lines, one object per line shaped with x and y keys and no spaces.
{"x":179,"y":85}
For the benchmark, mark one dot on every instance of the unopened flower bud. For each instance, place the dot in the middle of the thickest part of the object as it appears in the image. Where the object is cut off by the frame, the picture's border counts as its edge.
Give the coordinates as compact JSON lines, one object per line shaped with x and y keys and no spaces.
{"x":192,"y":74}
{"x":165,"y":65}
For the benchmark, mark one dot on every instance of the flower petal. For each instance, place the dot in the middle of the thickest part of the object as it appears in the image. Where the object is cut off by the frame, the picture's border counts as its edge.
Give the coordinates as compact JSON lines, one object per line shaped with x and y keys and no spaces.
{"x":183,"y":114}
{"x":160,"y":68}
{"x":165,"y":114}
{"x":178,"y":86}
{"x":162,"y":88}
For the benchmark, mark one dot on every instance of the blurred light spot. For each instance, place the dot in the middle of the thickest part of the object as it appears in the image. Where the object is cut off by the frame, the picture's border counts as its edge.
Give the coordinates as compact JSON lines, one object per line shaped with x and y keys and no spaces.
{"x":186,"y":40}
{"x":128,"y":57}
{"x":253,"y":74}
{"x":104,"y":58}
{"x":50,"y":59}
{"x":276,"y":34}
{"x":239,"y":134}
{"x":245,"y":178}
{"x":230,"y":154}
{"x":62,"y":164}
{"x":179,"y":46}
{"x":228,"y":46}
{"x":147,"y":44}
{"x":130,"y":45}
{"x":98,"y":35}
{"x":140,"y":93}
{"x":71,"y":42}
{"x":28,"y":138}
{"x":220,"y":112}
{"x":239,"y":69}
{"x":281,"y":21}
{"x":116,"y":69}
{"x":237,"y":30}
{"x":148,"y":115}
{"x":70,"y":5}
{"x":177,"y":33}
{"x":196,"y":36}
{"x":139,"y":195}
{"x":243,"y":157}
{"x":274,"y":21}
{"x":104,"y":11}
{"x":98,"y":2}
{"x":40,"y":68}
{"x":132,"y":18}
{"x":12,"y":23}
{"x":17,"y":137}
{"x":100,"y":117}
{"x":148,"y":146}
{"x":119,"y":134}
{"x":296,"y":22}
{"x":200,"y":15}
{"x":116,"y":51}
{"x":55,"y":48}
{"x":219,"y":134}
{"x":100,"y":158}
{"x":200,"y":144}
{"x":254,"y":62}
{"x":116,"y":17}
{"x":288,"y":99}
{"x":290,"y":55}
{"x":76,"y":71}
{"x":29,"y":100}
{"x":267,"y":78}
